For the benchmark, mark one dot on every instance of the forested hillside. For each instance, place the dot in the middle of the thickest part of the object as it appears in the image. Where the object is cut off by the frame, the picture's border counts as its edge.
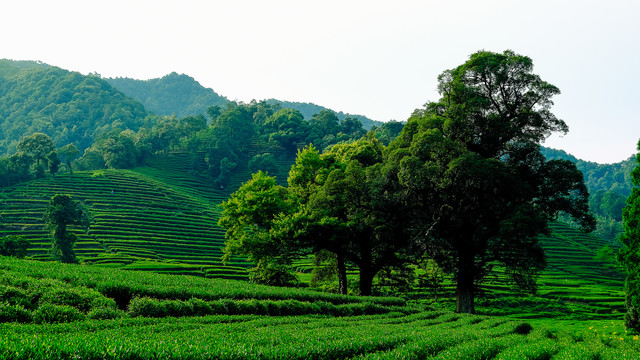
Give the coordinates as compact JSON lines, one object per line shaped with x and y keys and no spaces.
{"x":67,"y":106}
{"x":181,"y":95}
{"x":609,"y":186}
{"x":173,"y":94}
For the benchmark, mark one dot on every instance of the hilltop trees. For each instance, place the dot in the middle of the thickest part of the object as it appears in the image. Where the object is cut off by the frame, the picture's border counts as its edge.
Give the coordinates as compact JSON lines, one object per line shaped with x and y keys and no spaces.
{"x":483,"y":192}
{"x":61,"y":213}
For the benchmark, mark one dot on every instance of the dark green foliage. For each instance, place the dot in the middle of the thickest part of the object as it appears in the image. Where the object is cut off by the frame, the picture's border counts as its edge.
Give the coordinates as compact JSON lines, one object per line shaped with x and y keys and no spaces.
{"x":14,"y":245}
{"x":67,"y":106}
{"x":388,"y":131}
{"x":54,"y":162}
{"x":600,"y":177}
{"x":481,"y":189}
{"x":37,"y":145}
{"x":629,"y":255}
{"x":14,"y":313}
{"x":62,"y":212}
{"x":263,"y":162}
{"x":173,"y":94}
{"x":69,"y":153}
{"x":308,"y":110}
{"x":609,"y":185}
{"x":50,"y":313}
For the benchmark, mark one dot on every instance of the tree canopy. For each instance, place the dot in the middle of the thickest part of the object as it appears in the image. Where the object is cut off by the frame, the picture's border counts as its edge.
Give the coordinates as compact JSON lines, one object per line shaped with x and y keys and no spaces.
{"x":483,"y":191}
{"x":62,"y":212}
{"x":629,"y":255}
{"x":67,"y":106}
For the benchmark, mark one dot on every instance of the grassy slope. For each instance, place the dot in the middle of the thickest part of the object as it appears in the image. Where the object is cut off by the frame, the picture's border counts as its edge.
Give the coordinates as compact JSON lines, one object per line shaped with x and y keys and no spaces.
{"x":139,"y":217}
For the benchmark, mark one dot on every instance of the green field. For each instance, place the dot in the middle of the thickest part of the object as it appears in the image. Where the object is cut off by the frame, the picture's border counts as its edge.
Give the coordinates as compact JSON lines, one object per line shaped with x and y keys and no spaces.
{"x":56,"y":311}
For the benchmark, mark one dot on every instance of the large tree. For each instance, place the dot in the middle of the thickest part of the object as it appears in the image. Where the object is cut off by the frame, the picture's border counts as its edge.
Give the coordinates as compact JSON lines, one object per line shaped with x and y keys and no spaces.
{"x":482,"y":191}
{"x":61,"y":213}
{"x":249,"y":216}
{"x":346,"y":205}
{"x":69,"y":153}
{"x":38,"y":145}
{"x":629,"y":255}
{"x":339,"y":201}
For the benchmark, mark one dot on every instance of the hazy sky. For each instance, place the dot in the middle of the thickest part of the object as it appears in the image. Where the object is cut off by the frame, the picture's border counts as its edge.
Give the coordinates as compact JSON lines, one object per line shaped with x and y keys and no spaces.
{"x":376,"y":58}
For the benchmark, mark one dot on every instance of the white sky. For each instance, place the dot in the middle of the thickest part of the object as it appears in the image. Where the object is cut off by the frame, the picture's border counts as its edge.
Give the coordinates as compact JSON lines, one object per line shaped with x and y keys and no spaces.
{"x":376,"y":58}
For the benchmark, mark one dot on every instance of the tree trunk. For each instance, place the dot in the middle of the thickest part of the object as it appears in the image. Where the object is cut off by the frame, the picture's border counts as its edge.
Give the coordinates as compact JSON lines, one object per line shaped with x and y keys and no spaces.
{"x":465,"y":288}
{"x":342,"y":275}
{"x":366,"y":280}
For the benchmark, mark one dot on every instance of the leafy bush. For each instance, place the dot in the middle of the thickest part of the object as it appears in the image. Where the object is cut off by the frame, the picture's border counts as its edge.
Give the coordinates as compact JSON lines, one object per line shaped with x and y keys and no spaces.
{"x":13,"y":313}
{"x":82,"y":299}
{"x":50,"y":313}
{"x":14,"y":245}
{"x":105,"y":313}
{"x":14,"y":296}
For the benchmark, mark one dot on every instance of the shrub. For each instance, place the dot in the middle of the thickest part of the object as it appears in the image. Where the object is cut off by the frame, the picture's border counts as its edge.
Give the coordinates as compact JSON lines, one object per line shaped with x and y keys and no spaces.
{"x":200,"y":307}
{"x":14,"y":296}
{"x":105,"y":313}
{"x":51,"y":313}
{"x":145,"y":306}
{"x":82,"y":299}
{"x":13,"y":313}
{"x":14,"y":245}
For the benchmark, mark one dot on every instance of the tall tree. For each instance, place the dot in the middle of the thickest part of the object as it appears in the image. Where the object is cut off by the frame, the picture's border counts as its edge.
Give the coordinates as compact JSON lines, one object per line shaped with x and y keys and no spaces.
{"x":481,"y":189}
{"x":54,"y":162}
{"x":249,"y":216}
{"x":629,"y":255}
{"x":61,"y":213}
{"x":37,"y":145}
{"x":349,"y":208}
{"x":69,"y":153}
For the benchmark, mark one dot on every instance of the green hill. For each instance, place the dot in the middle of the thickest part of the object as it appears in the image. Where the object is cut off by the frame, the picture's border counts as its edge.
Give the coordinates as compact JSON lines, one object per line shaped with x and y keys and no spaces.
{"x":172,"y":94}
{"x":576,"y":283}
{"x":181,"y":95}
{"x":142,"y":219}
{"x":67,"y":106}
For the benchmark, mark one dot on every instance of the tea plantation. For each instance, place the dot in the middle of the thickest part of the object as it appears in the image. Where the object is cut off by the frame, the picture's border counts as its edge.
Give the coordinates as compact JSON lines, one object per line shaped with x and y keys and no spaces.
{"x":55,"y":311}
{"x":162,"y":219}
{"x":148,"y":219}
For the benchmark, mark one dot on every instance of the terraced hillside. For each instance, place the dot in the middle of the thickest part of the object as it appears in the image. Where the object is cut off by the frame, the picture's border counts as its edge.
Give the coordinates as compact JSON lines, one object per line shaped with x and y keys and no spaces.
{"x":163,"y":218}
{"x":575,"y":284}
{"x":138,"y":220}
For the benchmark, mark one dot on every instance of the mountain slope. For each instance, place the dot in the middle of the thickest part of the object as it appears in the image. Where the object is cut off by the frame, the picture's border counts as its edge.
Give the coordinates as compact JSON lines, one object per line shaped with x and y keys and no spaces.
{"x":182,"y":95}
{"x":172,"y":94}
{"x":140,"y":221}
{"x":67,"y":106}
